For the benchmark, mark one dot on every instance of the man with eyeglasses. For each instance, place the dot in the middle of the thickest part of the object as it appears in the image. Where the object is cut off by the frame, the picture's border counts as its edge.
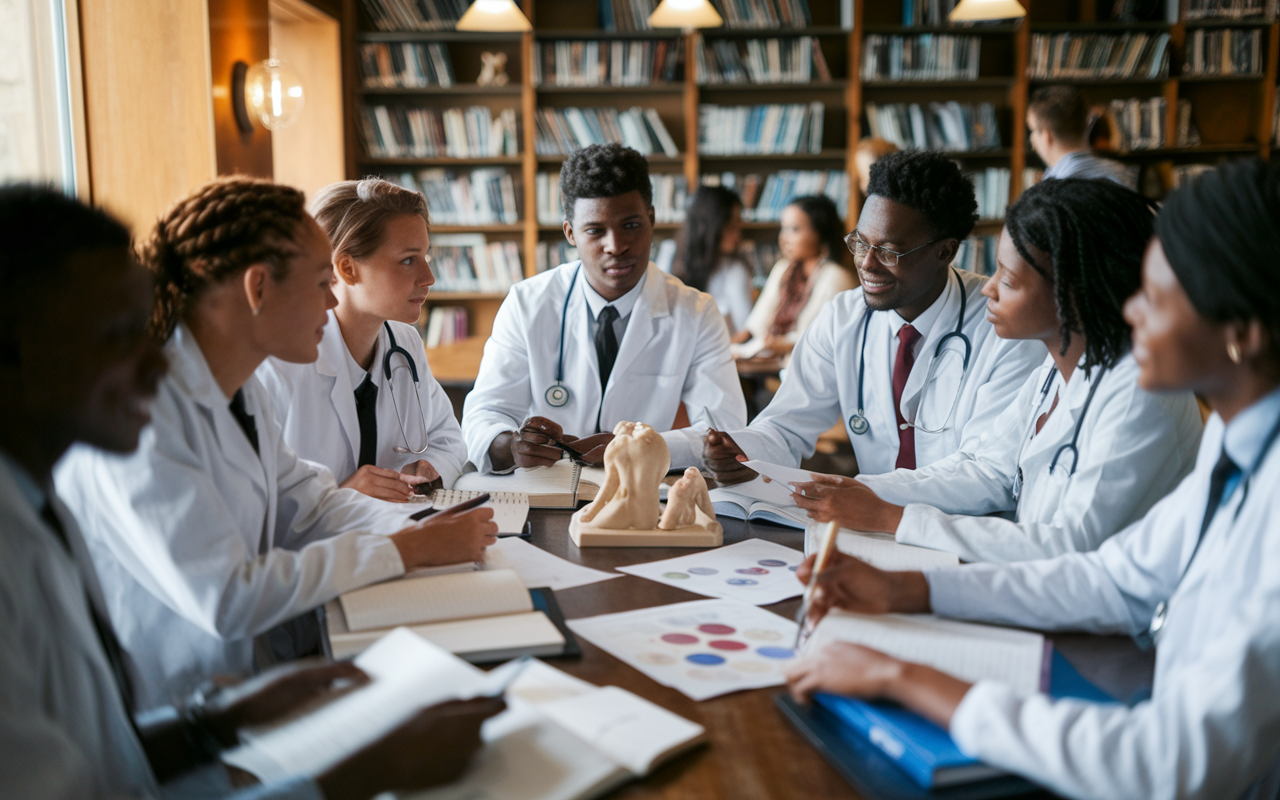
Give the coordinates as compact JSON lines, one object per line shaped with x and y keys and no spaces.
{"x":909,"y":383}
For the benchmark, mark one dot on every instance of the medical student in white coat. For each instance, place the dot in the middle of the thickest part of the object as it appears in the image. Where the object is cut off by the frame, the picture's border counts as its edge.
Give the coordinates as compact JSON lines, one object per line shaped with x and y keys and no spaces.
{"x":1084,"y":450}
{"x":369,"y":408}
{"x":214,"y":531}
{"x":908,"y":362}
{"x":552,"y":372}
{"x":1198,"y":576}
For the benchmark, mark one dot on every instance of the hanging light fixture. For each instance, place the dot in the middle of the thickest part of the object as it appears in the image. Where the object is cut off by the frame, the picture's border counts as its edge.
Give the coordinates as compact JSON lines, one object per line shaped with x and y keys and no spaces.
{"x":269,"y":91}
{"x":686,"y":14}
{"x":494,"y":16}
{"x":986,"y":10}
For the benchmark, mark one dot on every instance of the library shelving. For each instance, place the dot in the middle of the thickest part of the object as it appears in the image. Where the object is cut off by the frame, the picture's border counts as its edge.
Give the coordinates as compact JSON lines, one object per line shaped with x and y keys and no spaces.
{"x":1234,"y":115}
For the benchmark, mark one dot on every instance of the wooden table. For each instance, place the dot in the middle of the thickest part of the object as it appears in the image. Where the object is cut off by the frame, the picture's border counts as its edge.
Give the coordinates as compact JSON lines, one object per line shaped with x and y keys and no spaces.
{"x":754,"y":754}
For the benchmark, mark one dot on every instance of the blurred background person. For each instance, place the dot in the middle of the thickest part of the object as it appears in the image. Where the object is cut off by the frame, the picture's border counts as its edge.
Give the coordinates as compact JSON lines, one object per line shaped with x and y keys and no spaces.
{"x":707,"y":259}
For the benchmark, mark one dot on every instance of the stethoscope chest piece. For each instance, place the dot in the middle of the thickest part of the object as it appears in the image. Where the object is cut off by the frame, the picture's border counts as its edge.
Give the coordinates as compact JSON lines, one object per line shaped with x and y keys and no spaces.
{"x":557,"y":396}
{"x":858,"y":423}
{"x":1158,"y":620}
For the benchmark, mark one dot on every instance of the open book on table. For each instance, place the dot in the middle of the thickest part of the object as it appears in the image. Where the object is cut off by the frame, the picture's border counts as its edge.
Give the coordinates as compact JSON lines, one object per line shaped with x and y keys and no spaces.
{"x":560,"y":739}
{"x":481,"y":616}
{"x":561,"y":485}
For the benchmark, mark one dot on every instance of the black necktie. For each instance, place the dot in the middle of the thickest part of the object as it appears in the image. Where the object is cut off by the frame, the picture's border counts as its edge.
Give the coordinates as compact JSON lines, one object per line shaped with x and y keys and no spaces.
{"x":106,"y":635}
{"x":367,"y":415}
{"x":245,"y":419}
{"x":1223,"y":472}
{"x":606,"y":343}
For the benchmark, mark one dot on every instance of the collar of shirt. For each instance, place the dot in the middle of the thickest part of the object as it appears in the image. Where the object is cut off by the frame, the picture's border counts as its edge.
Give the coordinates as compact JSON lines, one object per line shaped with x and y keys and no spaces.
{"x":354,"y":370}
{"x":925,"y":321}
{"x":624,"y":304}
{"x":31,"y":491}
{"x":1247,"y":433}
{"x":1062,"y":166}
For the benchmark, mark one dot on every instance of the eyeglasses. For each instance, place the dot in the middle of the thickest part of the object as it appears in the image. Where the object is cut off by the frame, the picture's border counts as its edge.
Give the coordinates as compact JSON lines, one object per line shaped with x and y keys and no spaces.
{"x":884,"y":255}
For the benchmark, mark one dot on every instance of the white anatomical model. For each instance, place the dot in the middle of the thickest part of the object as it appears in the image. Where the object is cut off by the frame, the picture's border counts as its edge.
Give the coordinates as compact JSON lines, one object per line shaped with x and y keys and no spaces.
{"x":635,"y":463}
{"x":688,"y":503}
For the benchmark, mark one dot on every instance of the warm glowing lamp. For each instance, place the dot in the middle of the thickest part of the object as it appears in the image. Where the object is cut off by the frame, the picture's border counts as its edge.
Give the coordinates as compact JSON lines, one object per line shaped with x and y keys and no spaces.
{"x":494,"y":16}
{"x":686,"y":14}
{"x":986,"y":10}
{"x":273,"y":94}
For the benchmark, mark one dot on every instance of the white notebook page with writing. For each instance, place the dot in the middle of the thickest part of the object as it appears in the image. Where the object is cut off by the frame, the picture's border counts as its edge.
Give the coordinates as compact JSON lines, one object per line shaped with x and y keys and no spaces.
{"x":436,"y":598}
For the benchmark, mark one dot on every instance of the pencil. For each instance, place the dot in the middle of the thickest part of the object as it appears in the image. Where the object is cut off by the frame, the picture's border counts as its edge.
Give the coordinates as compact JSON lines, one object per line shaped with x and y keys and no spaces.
{"x":826,"y":546}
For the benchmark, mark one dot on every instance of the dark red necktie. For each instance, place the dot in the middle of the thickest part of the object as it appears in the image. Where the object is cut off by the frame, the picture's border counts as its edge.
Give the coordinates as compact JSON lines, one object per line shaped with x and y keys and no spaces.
{"x":907,"y":338}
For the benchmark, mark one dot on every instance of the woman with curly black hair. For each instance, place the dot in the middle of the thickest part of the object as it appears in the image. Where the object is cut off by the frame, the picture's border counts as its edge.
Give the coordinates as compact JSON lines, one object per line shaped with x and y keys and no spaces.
{"x":1083,"y":451}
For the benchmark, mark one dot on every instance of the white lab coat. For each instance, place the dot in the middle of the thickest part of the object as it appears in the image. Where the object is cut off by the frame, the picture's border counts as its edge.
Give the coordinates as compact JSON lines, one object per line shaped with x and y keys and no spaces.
{"x":1134,"y":448}
{"x":201,"y":544}
{"x":1211,"y":728}
{"x":676,"y":348}
{"x":316,"y":405}
{"x":820,"y":388}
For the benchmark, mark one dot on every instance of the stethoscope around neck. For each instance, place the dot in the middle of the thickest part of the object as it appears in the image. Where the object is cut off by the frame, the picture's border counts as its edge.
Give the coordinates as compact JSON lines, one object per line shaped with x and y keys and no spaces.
{"x":558,"y":395}
{"x":392,"y":349}
{"x":1071,"y":446}
{"x":858,"y":420}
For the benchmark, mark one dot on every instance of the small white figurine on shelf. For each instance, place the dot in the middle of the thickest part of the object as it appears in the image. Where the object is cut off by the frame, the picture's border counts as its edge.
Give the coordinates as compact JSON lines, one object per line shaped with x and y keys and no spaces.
{"x":493,"y":69}
{"x":627,"y":511}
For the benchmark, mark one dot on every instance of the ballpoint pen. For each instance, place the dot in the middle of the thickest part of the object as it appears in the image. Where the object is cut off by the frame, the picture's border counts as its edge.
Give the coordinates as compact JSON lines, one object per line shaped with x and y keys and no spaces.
{"x":826,"y":547}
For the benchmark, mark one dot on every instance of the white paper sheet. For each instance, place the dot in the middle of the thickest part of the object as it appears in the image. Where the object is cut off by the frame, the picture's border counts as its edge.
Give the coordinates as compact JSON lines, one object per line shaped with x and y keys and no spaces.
{"x":781,"y":476}
{"x":754,"y":571}
{"x":886,"y":554}
{"x":704,"y":648}
{"x":437,"y":598}
{"x":536,"y":567}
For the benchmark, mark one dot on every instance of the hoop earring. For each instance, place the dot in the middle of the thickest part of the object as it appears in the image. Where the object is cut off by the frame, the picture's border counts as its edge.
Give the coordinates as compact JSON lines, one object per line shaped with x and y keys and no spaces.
{"x":1233,"y":352}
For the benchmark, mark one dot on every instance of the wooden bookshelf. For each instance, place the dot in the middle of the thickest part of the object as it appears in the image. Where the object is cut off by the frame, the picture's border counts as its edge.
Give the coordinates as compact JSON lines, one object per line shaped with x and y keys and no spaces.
{"x":1234,"y":113}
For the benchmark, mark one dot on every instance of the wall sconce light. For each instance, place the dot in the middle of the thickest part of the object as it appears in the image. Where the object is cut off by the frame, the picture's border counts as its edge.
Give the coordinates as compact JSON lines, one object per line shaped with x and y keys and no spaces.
{"x":986,"y":10}
{"x":269,"y":91}
{"x":494,"y":16}
{"x":686,"y":14}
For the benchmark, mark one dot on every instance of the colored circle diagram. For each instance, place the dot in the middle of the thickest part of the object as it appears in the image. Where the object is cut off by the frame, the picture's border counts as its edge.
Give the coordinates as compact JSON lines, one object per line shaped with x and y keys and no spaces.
{"x":679,"y":638}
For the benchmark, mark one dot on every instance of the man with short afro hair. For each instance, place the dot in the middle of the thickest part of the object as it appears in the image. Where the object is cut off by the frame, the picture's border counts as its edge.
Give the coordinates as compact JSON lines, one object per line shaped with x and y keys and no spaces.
{"x":866,"y":359}
{"x":605,"y":339}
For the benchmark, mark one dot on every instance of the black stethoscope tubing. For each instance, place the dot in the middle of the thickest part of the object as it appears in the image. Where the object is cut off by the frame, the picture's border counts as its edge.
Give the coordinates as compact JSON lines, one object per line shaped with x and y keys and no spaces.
{"x":392,"y":349}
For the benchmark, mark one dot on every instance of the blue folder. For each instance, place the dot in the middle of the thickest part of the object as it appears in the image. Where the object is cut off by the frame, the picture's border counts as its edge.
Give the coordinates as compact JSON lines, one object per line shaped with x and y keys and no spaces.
{"x":839,"y":726}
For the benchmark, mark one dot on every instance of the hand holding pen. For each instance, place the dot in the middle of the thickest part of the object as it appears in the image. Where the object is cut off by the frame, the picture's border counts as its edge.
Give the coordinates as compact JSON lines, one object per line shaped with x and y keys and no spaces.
{"x":820,"y":560}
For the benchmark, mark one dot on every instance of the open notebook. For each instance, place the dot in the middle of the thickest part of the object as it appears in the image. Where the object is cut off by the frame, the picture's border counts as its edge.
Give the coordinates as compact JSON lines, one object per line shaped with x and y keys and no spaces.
{"x":510,"y":509}
{"x":756,"y":500}
{"x":562,"y":485}
{"x":561,"y":739}
{"x":482,"y":616}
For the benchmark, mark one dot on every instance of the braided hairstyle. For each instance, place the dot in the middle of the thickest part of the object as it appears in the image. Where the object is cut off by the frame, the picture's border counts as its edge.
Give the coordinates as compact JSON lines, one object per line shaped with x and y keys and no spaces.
{"x":223,"y":228}
{"x":1093,"y":233}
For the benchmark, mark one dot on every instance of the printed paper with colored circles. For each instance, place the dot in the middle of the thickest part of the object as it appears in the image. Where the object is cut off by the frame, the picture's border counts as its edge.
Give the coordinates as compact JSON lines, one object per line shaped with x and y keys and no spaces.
{"x":754,"y":571}
{"x":704,"y":648}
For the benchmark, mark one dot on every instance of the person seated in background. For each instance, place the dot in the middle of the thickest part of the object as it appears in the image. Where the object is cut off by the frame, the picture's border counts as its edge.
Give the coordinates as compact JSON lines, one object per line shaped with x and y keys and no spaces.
{"x":214,"y":531}
{"x":1198,"y":576}
{"x":805,"y":279}
{"x":1057,"y":122}
{"x":870,"y":150}
{"x":588,"y":344}
{"x":708,"y":260}
{"x":1084,"y":451}
{"x":908,"y":361}
{"x":78,"y":366}
{"x":369,"y":408}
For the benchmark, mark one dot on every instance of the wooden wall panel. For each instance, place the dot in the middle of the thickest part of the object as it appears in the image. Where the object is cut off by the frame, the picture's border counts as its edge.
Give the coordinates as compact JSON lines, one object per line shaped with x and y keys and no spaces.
{"x":238,"y":31}
{"x":309,"y":154}
{"x":147,"y":103}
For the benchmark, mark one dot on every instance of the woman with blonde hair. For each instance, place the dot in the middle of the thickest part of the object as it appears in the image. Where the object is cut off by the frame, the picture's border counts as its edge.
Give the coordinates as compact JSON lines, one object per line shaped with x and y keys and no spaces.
{"x":369,"y":408}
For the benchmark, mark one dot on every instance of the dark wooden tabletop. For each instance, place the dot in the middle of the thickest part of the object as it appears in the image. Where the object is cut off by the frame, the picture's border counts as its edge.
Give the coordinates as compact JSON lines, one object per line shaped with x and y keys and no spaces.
{"x":753,"y":753}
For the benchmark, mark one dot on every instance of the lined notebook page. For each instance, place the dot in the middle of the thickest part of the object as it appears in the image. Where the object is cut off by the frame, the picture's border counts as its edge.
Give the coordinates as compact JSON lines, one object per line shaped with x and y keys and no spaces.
{"x":888,"y":555}
{"x":629,"y":729}
{"x":436,"y":598}
{"x":510,"y":509}
{"x":559,"y":478}
{"x":966,"y":650}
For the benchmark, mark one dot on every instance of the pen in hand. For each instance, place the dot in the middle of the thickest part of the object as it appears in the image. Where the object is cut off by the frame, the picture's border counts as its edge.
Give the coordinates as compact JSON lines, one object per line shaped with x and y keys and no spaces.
{"x":826,"y":546}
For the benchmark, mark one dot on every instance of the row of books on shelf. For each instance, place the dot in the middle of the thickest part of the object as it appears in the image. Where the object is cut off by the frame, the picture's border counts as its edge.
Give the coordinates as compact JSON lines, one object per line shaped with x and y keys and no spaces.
{"x":549,"y":255}
{"x":1138,"y":124}
{"x":764,"y":197}
{"x":950,"y":126}
{"x":633,"y":15}
{"x":991,"y":188}
{"x":405,"y":65}
{"x":761,"y":129}
{"x":1230,"y":9}
{"x":560,"y":131}
{"x":927,"y":57}
{"x":1223,"y":52}
{"x":927,"y":12}
{"x":796,"y":59}
{"x":670,"y":197}
{"x":444,"y":325}
{"x":978,"y":254}
{"x":415,"y":15}
{"x":484,"y":196}
{"x":399,"y":131}
{"x":1099,"y":55}
{"x":622,"y":62}
{"x":465,"y":262}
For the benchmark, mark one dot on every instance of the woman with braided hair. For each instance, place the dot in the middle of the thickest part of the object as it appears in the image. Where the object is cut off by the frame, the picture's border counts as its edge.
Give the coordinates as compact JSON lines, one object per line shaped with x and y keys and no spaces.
{"x":1083,"y":451}
{"x":215,"y":532}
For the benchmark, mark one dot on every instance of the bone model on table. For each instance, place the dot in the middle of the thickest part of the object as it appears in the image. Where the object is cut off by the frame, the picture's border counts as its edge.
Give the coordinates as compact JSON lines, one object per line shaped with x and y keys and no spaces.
{"x":627,"y":511}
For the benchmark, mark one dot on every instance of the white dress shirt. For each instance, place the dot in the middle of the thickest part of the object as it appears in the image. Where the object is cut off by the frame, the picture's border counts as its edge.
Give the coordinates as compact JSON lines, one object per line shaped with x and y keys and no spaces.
{"x":1212,"y":726}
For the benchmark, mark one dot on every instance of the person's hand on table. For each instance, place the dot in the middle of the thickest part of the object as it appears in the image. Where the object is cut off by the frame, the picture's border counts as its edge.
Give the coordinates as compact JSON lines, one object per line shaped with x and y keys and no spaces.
{"x":591,"y":447}
{"x":852,"y":584}
{"x":423,"y":468}
{"x":724,"y":458}
{"x":431,"y":748}
{"x":449,"y":537}
{"x":276,"y":693}
{"x":847,"y":502}
{"x":384,"y":484}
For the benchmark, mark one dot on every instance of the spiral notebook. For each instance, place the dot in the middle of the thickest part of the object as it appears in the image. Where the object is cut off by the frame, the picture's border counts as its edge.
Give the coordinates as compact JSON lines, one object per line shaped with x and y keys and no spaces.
{"x":561,"y":485}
